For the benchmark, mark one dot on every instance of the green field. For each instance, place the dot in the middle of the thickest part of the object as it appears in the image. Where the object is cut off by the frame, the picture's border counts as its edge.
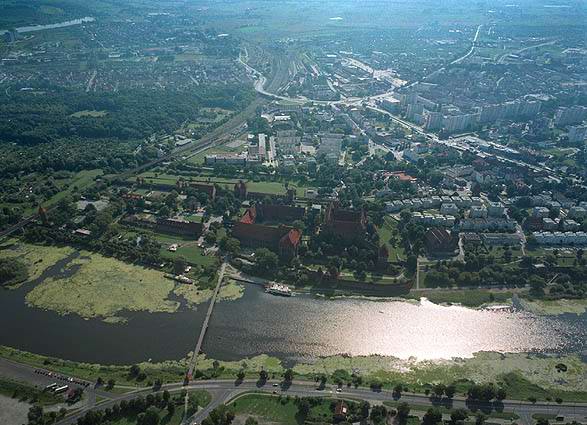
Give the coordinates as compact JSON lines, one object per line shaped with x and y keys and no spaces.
{"x":269,"y":187}
{"x":280,"y":410}
{"x":80,"y":181}
{"x":186,"y":247}
{"x":386,"y":232}
{"x":466,"y":297}
{"x":202,"y":397}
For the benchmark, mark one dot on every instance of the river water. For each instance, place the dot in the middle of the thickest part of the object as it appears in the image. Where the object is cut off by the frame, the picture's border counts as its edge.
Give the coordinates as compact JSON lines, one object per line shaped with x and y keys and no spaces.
{"x":296,"y":328}
{"x":33,"y":28}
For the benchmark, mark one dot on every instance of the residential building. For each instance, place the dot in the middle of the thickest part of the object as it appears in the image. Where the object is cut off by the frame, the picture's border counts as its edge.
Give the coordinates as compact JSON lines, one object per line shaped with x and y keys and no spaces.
{"x":577,"y":134}
{"x":570,"y":115}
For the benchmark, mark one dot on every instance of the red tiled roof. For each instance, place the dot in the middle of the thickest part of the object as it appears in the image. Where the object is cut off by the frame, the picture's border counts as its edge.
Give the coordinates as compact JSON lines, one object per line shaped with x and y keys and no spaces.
{"x":250,"y":216}
{"x":257,"y":232}
{"x":292,"y":237}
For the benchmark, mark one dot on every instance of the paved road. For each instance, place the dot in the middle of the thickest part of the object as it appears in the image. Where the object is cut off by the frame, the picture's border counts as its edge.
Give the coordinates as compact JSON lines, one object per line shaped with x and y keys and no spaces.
{"x":471,"y":50}
{"x":222,"y":391}
{"x":40,"y":378}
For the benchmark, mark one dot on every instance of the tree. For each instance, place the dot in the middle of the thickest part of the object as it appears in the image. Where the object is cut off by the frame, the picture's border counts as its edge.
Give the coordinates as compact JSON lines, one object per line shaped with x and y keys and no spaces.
{"x":179,"y":265}
{"x":397,"y":390}
{"x":150,"y":417}
{"x":263,"y":376}
{"x":438,"y":390}
{"x":266,"y":260}
{"x":230,"y":245}
{"x":378,"y":414}
{"x":288,"y":375}
{"x":450,"y":390}
{"x":134,"y":370}
{"x":170,"y":409}
{"x":12,"y":270}
{"x":240,"y":375}
{"x":432,"y":417}
{"x":458,"y":415}
{"x":219,"y":416}
{"x":111,"y":383}
{"x":500,"y":394}
{"x":480,"y":418}
{"x":35,"y":414}
{"x":412,"y":263}
{"x":303,"y":408}
{"x":403,"y":411}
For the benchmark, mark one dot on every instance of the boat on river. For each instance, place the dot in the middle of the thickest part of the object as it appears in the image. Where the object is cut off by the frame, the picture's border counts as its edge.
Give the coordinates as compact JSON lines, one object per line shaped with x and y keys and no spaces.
{"x":278,"y":289}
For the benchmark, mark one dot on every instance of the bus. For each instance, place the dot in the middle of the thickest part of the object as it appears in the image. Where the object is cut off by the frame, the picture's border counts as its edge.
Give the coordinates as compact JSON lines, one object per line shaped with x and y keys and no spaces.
{"x":61,"y":389}
{"x":51,"y":387}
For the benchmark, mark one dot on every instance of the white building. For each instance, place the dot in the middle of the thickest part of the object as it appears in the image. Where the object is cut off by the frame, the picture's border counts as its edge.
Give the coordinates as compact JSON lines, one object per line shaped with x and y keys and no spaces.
{"x":449,"y":209}
{"x":495,"y":209}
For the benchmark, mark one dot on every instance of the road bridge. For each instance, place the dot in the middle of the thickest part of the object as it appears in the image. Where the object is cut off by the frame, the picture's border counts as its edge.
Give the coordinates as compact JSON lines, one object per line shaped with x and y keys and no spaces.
{"x":194,"y":359}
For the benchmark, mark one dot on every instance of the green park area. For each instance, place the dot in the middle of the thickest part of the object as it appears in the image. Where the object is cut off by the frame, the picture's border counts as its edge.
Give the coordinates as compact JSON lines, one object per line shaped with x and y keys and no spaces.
{"x":169,"y":412}
{"x":285,"y":411}
{"x":253,"y":185}
{"x":465,"y":297}
{"x":187,"y":247}
{"x":390,"y":236}
{"x":77,"y":182}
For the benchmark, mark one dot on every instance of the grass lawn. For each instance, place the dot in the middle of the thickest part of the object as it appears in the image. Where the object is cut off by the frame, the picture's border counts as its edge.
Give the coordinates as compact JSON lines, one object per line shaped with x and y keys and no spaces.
{"x":375,"y":278}
{"x":386,"y":232}
{"x":187,"y":247}
{"x":267,"y":407}
{"x":80,"y":181}
{"x":203,"y":398}
{"x":193,"y":254}
{"x":280,"y":410}
{"x":466,"y":297}
{"x":269,"y":187}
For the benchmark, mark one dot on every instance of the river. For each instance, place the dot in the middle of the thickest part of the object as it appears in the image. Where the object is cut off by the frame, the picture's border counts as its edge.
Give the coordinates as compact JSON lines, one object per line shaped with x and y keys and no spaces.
{"x":33,"y":28}
{"x":293,"y":329}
